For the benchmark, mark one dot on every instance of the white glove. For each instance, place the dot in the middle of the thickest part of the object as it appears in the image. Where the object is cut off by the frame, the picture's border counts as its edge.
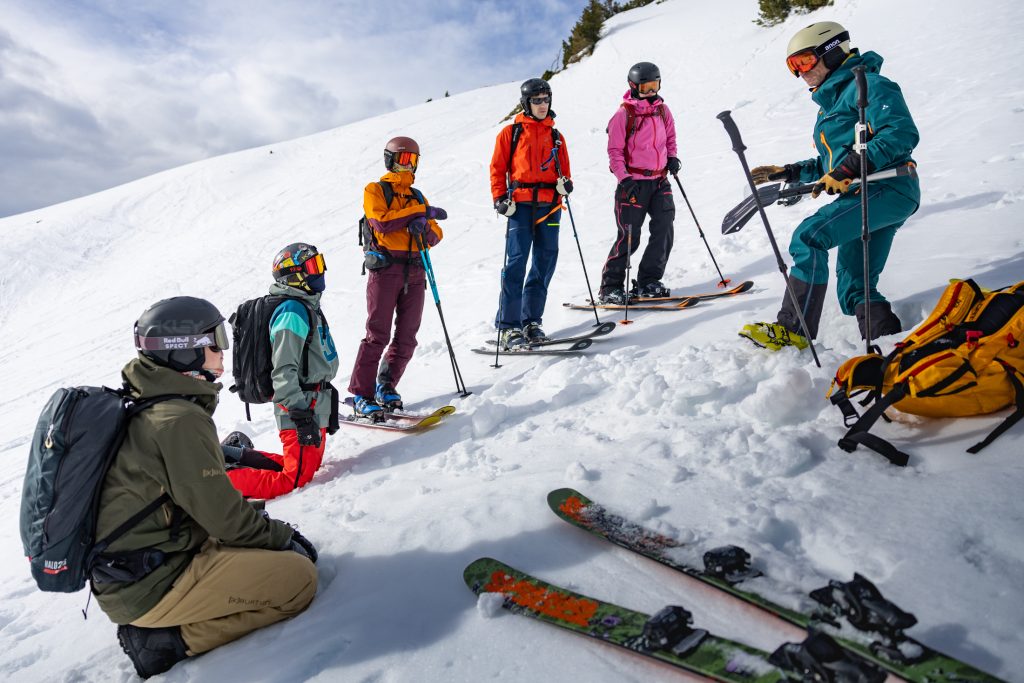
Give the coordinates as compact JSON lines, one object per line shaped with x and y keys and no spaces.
{"x":563,"y":186}
{"x":506,"y":207}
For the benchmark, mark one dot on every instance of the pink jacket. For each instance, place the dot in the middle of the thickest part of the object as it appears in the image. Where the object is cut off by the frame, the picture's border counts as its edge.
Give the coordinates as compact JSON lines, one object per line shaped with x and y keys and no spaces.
{"x":652,"y":143}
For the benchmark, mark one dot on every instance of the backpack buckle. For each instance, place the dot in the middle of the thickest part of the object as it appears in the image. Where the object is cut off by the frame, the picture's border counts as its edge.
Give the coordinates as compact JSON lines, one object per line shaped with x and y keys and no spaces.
{"x":972,"y":338}
{"x":1011,"y":341}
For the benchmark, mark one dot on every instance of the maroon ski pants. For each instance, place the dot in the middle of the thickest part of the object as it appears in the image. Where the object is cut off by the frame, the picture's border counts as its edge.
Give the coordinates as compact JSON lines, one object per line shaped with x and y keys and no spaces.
{"x":392,"y":294}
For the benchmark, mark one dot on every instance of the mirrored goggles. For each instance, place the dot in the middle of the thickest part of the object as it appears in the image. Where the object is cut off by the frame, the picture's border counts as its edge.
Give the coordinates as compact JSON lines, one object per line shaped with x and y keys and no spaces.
{"x":314,"y":265}
{"x":407,"y":159}
{"x":802,"y":62}
{"x":217,"y":339}
{"x":546,"y":99}
{"x":649,"y":87}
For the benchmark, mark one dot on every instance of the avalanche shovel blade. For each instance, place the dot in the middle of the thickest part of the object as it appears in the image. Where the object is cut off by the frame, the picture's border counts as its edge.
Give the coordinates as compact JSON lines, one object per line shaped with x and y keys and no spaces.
{"x":745,"y":210}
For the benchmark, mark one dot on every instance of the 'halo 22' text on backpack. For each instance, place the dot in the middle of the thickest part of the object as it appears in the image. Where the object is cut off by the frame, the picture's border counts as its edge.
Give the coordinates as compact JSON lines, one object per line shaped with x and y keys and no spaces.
{"x":966,"y":358}
{"x":76,"y":439}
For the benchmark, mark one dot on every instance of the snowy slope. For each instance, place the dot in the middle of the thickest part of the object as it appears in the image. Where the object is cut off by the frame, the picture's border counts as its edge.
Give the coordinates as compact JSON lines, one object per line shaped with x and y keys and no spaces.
{"x":675,"y":421}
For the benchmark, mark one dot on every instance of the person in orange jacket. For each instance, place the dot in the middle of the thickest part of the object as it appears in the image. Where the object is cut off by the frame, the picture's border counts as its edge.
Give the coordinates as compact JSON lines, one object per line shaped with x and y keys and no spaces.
{"x":527,"y":188}
{"x":396,"y":285}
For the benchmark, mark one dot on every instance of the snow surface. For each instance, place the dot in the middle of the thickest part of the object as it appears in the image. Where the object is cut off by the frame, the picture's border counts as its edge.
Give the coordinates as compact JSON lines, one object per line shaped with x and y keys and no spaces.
{"x":673,"y":421}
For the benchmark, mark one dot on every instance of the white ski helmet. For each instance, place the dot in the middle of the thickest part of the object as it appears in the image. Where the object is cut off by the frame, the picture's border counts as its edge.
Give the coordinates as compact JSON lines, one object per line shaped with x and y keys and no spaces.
{"x":828,"y":39}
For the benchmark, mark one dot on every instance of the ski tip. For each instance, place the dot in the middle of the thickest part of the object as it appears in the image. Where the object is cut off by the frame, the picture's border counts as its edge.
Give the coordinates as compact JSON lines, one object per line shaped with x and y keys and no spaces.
{"x":566,"y":502}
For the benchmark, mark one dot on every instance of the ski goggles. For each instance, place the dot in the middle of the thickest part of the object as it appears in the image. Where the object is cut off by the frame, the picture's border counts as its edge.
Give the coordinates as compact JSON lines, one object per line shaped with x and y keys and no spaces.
{"x":540,"y":100}
{"x":802,"y":62}
{"x":217,"y":339}
{"x":649,"y":87}
{"x":407,"y":159}
{"x":314,"y":265}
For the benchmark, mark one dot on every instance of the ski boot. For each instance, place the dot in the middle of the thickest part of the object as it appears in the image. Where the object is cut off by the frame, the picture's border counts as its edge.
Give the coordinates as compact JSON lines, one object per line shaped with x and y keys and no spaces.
{"x":772,"y":336}
{"x":511,"y":339}
{"x":237,"y":440}
{"x":613,"y":297}
{"x":388,"y":398}
{"x":652,"y":290}
{"x":534,"y":333}
{"x":152,"y":650}
{"x":367,"y":408}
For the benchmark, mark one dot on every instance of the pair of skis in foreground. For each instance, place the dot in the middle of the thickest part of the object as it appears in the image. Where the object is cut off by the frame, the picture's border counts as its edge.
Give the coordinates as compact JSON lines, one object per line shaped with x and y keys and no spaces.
{"x":856,"y":635}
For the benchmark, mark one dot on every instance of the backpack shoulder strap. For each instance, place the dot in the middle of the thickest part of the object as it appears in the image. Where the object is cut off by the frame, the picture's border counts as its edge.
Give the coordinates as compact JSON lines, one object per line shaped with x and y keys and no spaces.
{"x":555,"y":137}
{"x":389,"y":191}
{"x":418,"y":195}
{"x":517,"y":132}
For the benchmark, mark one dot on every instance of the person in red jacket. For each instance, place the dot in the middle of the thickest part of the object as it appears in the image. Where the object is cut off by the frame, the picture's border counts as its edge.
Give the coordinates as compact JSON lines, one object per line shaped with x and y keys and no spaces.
{"x":641,"y":153}
{"x":527,"y":188}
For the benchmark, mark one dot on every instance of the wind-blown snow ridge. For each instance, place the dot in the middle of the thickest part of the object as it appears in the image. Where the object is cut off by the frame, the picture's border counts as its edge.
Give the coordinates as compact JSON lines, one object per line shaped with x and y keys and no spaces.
{"x":672,"y":420}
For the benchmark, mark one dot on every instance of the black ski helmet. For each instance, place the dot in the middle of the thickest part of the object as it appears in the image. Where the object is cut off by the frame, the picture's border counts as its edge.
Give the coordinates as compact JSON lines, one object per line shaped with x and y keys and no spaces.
{"x":173,"y":332}
{"x":642,"y":72}
{"x":532,"y":88}
{"x":291,"y":268}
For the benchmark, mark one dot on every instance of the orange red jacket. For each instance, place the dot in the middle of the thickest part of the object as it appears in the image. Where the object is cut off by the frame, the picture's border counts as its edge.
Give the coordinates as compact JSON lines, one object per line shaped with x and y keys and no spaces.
{"x":391,"y":224}
{"x":532,"y":151}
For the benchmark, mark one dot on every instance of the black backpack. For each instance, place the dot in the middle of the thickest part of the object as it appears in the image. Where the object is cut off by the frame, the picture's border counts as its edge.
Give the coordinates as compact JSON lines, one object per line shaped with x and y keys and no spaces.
{"x":76,"y":439}
{"x":374,"y":256}
{"x":251,"y":361}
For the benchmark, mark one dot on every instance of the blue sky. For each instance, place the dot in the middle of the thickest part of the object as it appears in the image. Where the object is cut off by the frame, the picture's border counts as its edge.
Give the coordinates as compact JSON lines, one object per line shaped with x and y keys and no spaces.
{"x":94,"y":93}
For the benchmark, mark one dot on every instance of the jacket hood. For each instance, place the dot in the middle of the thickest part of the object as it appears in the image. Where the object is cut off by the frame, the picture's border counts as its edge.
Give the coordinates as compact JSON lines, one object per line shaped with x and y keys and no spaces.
{"x":147,"y":379}
{"x":843,"y":75}
{"x":642,"y":106}
{"x":279,"y":289}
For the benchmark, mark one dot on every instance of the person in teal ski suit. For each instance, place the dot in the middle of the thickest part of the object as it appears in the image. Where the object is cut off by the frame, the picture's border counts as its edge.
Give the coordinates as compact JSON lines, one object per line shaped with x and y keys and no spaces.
{"x":822,"y":56}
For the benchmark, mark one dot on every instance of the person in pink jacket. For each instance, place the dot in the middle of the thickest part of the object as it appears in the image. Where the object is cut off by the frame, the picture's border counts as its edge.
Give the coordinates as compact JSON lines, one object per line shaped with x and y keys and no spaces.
{"x":641,"y":154}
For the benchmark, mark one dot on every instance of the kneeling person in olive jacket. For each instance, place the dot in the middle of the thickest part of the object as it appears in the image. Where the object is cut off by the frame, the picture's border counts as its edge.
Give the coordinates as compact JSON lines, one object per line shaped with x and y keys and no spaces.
{"x":204,"y":568}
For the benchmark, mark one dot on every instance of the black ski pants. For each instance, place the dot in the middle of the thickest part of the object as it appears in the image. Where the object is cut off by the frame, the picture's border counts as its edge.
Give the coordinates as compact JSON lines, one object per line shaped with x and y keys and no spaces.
{"x":654,"y":199}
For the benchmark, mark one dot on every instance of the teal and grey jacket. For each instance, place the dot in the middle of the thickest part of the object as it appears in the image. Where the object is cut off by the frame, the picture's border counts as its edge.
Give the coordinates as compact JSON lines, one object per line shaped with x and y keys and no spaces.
{"x":892,"y":134}
{"x":289,"y":326}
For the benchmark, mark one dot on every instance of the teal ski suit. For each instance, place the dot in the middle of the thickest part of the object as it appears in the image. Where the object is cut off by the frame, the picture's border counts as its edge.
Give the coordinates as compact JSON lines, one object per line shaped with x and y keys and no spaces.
{"x":892,"y":137}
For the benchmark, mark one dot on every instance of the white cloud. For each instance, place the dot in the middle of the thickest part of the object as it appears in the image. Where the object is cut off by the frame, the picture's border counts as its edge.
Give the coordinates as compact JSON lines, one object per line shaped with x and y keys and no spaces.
{"x":100,"y":92}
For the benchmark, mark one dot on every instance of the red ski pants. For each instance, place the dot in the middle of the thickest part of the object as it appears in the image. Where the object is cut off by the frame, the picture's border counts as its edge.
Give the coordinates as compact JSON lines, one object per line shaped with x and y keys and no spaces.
{"x":299,"y":463}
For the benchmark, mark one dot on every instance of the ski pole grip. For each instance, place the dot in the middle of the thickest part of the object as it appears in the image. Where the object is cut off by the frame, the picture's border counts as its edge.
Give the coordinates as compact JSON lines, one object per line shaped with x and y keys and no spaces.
{"x":862,"y":86}
{"x":734,"y":133}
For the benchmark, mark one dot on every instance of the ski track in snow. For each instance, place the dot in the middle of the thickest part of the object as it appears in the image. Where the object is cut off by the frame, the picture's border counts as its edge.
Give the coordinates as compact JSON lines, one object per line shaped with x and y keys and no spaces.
{"x":673,"y":421}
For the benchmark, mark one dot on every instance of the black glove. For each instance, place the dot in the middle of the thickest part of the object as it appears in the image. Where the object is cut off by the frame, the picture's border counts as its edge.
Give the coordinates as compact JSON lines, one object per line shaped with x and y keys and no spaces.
{"x":564,"y":186}
{"x":303,"y":546}
{"x":306,"y":426}
{"x":674,"y":165}
{"x":626,"y":191}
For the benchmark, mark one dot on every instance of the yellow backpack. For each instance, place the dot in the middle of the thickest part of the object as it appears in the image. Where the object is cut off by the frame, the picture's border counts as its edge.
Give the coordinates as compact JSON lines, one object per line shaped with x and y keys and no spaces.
{"x":966,"y":358}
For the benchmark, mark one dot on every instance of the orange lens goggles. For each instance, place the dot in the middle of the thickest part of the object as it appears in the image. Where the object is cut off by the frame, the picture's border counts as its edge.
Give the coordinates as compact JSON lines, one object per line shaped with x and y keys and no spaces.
{"x":649,"y":86}
{"x":407,"y":158}
{"x":802,"y":62}
{"x":314,"y":265}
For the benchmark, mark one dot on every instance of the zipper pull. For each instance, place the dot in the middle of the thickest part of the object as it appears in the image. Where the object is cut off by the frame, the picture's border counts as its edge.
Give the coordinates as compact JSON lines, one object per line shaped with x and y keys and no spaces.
{"x":49,"y":436}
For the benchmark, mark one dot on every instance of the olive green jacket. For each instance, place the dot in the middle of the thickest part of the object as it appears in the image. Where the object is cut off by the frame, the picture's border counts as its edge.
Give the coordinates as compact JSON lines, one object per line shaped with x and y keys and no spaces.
{"x":172,"y":447}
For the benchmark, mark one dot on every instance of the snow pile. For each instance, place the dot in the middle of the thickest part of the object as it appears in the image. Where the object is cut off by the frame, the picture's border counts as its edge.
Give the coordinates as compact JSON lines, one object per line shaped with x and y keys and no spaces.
{"x":673,"y":421}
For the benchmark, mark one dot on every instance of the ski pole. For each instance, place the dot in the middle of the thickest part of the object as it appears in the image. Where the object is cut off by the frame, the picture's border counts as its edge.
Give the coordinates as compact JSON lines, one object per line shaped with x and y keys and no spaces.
{"x":737,"y":146}
{"x":572,"y":222}
{"x":501,"y":297}
{"x":460,"y":384}
{"x":629,"y":268}
{"x":722,"y":280}
{"x":861,"y":147}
